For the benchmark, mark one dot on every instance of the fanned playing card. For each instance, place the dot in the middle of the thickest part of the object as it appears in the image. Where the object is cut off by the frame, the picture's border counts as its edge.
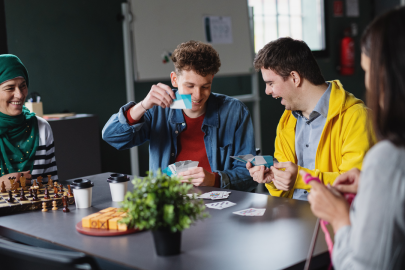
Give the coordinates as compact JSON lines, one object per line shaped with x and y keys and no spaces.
{"x":180,"y":166}
{"x":255,"y":160}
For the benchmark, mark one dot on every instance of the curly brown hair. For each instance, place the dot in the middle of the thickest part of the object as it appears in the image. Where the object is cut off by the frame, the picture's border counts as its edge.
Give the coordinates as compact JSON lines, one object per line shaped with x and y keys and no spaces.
{"x":197,"y":56}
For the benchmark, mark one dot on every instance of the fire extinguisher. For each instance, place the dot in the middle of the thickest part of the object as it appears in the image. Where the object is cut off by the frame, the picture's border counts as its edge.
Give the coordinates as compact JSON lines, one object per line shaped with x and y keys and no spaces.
{"x":347,"y":54}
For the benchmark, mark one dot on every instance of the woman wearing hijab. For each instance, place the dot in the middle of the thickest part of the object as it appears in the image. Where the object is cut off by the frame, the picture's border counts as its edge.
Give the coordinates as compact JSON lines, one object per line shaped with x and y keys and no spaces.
{"x":371,"y":234}
{"x":26,"y":140}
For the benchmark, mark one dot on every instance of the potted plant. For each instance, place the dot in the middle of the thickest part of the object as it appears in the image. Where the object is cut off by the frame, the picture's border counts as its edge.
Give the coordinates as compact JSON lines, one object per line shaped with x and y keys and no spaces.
{"x":160,"y":203}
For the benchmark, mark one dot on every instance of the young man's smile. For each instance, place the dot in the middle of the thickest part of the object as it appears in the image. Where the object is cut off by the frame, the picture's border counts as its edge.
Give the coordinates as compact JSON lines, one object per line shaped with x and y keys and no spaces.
{"x":199,"y":87}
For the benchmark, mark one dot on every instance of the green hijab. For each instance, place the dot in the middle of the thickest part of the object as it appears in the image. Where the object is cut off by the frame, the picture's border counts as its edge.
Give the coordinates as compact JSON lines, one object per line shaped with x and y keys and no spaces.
{"x":19,"y":137}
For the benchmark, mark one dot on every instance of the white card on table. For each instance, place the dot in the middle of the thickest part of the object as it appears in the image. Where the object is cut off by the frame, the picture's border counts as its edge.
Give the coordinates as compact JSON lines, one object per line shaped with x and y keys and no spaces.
{"x":250,"y":212}
{"x":220,"y":205}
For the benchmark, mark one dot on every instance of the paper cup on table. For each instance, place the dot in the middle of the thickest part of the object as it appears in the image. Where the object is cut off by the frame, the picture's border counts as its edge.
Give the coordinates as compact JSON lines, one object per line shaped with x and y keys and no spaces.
{"x":118,"y":186}
{"x":82,"y":190}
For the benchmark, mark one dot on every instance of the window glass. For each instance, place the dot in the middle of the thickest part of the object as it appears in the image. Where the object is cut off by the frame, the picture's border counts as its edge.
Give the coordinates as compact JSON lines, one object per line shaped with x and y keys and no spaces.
{"x":299,"y":19}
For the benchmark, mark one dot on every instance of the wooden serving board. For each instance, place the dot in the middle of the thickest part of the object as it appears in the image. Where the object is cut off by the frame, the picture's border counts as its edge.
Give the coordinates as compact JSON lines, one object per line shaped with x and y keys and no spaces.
{"x":101,"y":232}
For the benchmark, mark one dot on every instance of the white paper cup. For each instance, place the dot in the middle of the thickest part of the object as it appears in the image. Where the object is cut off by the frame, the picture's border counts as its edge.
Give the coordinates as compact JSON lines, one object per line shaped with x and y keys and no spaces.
{"x":118,"y":186}
{"x":82,"y":191}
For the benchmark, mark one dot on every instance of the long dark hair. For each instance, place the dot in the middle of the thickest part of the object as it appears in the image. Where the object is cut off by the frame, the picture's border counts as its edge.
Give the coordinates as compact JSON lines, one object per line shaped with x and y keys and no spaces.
{"x":384,"y":42}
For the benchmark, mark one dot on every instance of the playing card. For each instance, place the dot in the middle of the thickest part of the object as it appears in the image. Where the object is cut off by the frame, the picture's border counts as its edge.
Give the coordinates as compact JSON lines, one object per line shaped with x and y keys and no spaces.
{"x":263,"y":160}
{"x":244,"y":158}
{"x":192,"y":195}
{"x":215,"y":195}
{"x":167,"y":171}
{"x":181,"y":102}
{"x":192,"y":165}
{"x":204,"y":196}
{"x":255,"y":160}
{"x":250,"y":212}
{"x":180,"y":166}
{"x":259,"y":160}
{"x":172,"y":168}
{"x":220,"y":205}
{"x":218,"y":195}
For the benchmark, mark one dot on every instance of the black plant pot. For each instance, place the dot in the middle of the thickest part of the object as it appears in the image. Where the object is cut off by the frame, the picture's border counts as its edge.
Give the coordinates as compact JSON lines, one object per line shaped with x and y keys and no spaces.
{"x":167,"y":243}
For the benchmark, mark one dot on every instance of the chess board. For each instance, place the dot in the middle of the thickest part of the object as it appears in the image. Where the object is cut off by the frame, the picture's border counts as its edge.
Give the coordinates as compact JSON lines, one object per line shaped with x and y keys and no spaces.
{"x":21,"y":206}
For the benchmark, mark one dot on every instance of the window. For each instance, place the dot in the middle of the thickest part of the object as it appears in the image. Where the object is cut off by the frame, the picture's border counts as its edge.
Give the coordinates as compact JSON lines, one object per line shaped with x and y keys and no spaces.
{"x":299,"y":19}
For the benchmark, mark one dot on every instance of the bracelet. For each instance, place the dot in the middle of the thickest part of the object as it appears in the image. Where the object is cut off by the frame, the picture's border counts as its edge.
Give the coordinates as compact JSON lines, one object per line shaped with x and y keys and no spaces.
{"x":143,"y":106}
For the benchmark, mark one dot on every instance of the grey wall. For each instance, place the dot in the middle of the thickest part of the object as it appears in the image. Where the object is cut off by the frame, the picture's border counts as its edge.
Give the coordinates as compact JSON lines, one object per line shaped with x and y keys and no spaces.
{"x":3,"y":32}
{"x":382,"y":6}
{"x":74,"y":54}
{"x":73,"y":51}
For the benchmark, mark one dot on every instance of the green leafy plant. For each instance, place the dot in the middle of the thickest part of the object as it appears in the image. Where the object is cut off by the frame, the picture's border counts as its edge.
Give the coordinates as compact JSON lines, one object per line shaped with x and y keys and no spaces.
{"x":160,"y":202}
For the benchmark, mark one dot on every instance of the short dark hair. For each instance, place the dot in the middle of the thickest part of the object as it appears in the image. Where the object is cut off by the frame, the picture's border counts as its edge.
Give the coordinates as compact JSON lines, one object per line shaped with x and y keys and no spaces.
{"x":197,"y":56}
{"x":384,"y":42}
{"x":284,"y":55}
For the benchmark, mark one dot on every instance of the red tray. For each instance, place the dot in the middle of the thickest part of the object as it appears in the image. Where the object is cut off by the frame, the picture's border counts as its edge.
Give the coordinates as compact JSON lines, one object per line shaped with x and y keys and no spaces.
{"x":99,"y":232}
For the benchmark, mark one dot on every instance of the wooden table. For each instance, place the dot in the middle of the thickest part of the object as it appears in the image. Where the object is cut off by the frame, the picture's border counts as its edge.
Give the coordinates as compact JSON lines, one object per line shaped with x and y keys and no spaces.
{"x":279,"y":239}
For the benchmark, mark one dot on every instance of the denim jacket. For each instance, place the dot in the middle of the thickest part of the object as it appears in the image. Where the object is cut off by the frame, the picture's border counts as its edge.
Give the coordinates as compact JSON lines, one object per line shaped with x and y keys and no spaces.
{"x":227,"y":127}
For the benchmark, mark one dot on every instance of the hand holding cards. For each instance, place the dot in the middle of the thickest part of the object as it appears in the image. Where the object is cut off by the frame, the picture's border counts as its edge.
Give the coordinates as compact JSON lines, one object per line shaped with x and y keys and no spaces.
{"x":181,"y":166}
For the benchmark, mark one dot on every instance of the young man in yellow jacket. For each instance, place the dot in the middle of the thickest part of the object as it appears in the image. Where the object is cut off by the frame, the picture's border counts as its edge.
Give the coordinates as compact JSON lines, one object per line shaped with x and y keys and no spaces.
{"x":324,"y":129}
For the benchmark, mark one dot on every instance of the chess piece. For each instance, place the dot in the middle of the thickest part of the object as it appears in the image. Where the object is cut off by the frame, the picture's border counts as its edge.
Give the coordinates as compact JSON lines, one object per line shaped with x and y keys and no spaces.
{"x":23,"y":180}
{"x":10,"y":197}
{"x":44,"y":209}
{"x":11,"y":179}
{"x":39,"y":181}
{"x":54,"y":204}
{"x":46,"y":194}
{"x":55,"y":190}
{"x":16,"y":195}
{"x":3,"y":187}
{"x":16,"y":187}
{"x":50,"y":183}
{"x":37,"y":188}
{"x":23,"y":183}
{"x":65,"y":203}
{"x":35,"y":197}
{"x":60,"y":188}
{"x":31,"y":195}
{"x":70,"y":194}
{"x":22,"y":195}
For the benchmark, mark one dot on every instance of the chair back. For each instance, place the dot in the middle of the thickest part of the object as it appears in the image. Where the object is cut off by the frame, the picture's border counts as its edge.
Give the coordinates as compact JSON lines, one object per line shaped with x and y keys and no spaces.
{"x":19,"y":256}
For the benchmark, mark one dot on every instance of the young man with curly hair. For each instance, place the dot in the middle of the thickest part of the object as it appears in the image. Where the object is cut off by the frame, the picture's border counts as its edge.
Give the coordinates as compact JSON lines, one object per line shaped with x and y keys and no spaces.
{"x":324,"y":129}
{"x":215,"y":128}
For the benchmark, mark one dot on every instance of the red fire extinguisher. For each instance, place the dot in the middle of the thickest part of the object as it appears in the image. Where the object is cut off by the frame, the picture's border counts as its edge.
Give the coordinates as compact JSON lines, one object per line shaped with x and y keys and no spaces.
{"x":347,"y":54}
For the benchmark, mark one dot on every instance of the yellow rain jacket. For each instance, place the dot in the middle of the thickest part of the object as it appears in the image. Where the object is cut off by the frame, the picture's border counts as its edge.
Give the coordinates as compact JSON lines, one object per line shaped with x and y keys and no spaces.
{"x":345,"y":140}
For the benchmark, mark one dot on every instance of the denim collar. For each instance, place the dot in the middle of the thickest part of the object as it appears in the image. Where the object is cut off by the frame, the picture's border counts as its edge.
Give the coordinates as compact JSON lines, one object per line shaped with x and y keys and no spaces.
{"x":211,"y":114}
